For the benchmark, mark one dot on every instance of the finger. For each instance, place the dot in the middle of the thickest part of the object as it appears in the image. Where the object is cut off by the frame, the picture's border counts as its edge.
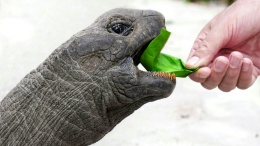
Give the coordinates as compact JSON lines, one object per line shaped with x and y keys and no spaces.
{"x":230,"y":80}
{"x":246,"y":75}
{"x":218,"y":70}
{"x":215,"y":39}
{"x":201,"y":75}
{"x":201,"y":36}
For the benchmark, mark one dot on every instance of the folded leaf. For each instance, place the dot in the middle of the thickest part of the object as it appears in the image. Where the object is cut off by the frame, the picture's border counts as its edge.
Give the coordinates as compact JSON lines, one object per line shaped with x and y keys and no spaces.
{"x":150,"y":54}
{"x":153,"y":60}
{"x":167,"y":63}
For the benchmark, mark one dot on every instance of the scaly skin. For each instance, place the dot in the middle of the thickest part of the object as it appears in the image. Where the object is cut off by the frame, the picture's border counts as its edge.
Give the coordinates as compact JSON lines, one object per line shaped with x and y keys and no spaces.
{"x":86,"y":86}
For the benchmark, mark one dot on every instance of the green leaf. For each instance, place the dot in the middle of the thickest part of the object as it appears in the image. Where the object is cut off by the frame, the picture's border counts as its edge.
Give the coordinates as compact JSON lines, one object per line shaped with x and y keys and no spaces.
{"x":153,"y":60}
{"x":150,"y":54}
{"x":167,"y":63}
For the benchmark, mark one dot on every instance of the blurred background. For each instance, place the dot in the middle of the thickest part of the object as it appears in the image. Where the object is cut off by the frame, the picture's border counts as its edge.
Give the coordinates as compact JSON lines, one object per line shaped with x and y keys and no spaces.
{"x":192,"y":116}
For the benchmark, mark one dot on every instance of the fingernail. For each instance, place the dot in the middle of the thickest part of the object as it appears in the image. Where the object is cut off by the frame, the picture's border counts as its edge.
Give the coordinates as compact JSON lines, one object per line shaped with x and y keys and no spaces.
{"x":245,"y":66}
{"x":192,"y":61}
{"x":235,"y":62}
{"x":220,"y":66}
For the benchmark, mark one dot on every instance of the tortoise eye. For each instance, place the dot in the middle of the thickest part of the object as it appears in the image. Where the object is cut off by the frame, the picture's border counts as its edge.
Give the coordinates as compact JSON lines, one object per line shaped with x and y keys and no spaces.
{"x":121,"y":29}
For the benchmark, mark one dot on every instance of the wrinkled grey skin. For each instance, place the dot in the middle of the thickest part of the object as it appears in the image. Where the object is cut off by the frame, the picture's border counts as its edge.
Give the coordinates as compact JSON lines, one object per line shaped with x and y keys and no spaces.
{"x":86,"y":86}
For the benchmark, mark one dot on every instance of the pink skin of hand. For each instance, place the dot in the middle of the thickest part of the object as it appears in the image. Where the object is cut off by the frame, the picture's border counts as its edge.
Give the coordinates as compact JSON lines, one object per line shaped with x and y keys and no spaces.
{"x":228,"y":48}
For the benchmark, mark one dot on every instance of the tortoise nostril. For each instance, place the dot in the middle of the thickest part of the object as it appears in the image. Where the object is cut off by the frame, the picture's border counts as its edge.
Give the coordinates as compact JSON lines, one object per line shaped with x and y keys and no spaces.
{"x":151,"y":13}
{"x":159,"y":16}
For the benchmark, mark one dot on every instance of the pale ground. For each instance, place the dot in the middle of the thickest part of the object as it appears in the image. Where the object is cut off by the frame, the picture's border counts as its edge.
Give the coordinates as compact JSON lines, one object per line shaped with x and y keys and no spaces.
{"x":192,"y":116}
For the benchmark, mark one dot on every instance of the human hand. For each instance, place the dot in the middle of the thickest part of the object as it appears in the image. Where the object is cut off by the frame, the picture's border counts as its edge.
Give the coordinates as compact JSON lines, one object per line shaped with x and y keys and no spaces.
{"x":228,"y":48}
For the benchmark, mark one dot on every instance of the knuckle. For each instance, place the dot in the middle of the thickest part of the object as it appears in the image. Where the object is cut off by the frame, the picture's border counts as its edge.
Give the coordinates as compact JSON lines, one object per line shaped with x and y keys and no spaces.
{"x":208,"y":86}
{"x":199,"y":40}
{"x":204,"y":49}
{"x":195,"y":77}
{"x":226,"y":88}
{"x":232,"y":73}
{"x":242,"y":86}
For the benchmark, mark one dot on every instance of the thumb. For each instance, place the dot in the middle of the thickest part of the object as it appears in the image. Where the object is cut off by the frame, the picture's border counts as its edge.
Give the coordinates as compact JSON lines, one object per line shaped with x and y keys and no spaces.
{"x":207,"y":45}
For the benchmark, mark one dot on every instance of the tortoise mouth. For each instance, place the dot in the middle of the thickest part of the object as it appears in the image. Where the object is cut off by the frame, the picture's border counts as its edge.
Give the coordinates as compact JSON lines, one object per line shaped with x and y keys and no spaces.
{"x":155,"y":75}
{"x":139,"y":51}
